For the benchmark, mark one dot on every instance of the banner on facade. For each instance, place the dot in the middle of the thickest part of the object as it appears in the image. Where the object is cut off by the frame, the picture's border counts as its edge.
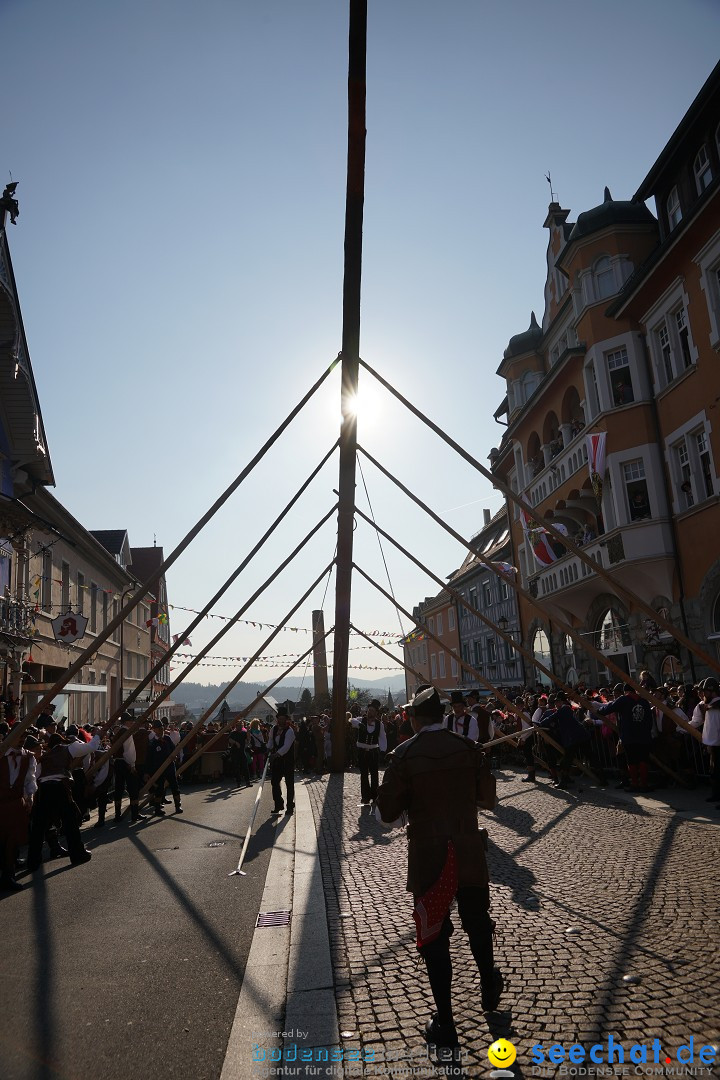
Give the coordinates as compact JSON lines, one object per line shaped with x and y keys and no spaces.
{"x":596,"y":461}
{"x":69,"y":627}
{"x":537,"y":538}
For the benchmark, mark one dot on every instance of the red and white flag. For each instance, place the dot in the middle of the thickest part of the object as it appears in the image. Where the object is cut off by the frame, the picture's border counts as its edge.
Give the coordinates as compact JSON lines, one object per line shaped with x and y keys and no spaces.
{"x":596,"y":460}
{"x":537,"y":538}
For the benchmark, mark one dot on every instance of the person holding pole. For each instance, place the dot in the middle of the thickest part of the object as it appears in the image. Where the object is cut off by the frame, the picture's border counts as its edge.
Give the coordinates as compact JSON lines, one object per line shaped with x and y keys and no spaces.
{"x":282,"y":762}
{"x":435,"y":782}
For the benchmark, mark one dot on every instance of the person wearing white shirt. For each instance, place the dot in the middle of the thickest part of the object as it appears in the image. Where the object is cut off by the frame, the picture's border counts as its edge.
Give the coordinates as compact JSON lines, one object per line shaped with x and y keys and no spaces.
{"x":126,"y":775}
{"x":371,"y":741}
{"x":54,"y":799}
{"x":707,"y":717}
{"x":17,"y":788}
{"x":460,"y":720}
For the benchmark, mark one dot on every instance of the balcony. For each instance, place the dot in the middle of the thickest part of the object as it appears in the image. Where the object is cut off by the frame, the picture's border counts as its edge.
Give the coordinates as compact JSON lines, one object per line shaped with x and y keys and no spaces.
{"x":15,"y":617}
{"x":639,"y":555}
{"x":570,"y":460}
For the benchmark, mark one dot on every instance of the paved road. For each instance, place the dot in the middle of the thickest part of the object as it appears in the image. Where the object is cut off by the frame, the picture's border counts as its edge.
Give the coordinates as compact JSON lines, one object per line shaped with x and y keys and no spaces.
{"x":636,"y":883}
{"x":131,"y":965}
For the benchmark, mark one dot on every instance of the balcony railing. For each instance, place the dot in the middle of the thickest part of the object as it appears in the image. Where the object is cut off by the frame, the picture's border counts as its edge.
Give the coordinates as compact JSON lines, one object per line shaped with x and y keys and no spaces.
{"x":647,"y":539}
{"x":570,"y":460}
{"x":15,"y":617}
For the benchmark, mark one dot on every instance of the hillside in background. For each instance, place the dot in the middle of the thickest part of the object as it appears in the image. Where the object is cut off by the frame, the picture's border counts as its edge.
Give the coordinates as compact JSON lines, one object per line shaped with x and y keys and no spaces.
{"x":195,"y":695}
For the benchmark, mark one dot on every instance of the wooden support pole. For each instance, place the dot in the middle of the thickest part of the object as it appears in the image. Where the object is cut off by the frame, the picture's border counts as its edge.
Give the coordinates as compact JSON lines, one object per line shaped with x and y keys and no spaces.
{"x":354,"y":203}
{"x":627,"y":595}
{"x":233,"y":683}
{"x":167,"y":656}
{"x":17,"y":730}
{"x":136,"y":724}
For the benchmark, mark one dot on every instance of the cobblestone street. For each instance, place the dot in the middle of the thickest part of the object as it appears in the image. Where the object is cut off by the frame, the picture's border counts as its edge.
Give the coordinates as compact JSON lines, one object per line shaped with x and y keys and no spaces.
{"x":585,"y":891}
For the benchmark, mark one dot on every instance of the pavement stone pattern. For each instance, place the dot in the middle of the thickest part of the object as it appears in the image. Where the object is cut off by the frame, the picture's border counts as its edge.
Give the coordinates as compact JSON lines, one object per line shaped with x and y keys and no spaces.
{"x":637,"y":887}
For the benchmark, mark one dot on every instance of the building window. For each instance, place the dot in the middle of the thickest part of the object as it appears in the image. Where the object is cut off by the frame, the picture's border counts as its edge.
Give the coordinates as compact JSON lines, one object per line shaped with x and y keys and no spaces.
{"x":433,"y":666}
{"x":473,"y":598}
{"x":504,"y":590}
{"x":46,"y":592}
{"x":442,"y":665}
{"x":487,"y":593}
{"x":695,"y":472}
{"x":104,"y":610}
{"x":673,"y":345}
{"x":706,"y":469}
{"x":81,"y":593}
{"x":674,"y":210}
{"x":663,"y":337}
{"x":702,"y":169}
{"x":620,"y":378}
{"x":439,"y":624}
{"x":93,"y":606}
{"x":451,"y":619}
{"x":65,"y":588}
{"x":683,"y":336}
{"x":478,"y":654}
{"x":604,"y":278}
{"x":431,"y":625}
{"x":637,"y":492}
{"x":491,"y":650}
{"x":453,"y":667}
{"x":115,"y":610}
{"x":687,"y":497}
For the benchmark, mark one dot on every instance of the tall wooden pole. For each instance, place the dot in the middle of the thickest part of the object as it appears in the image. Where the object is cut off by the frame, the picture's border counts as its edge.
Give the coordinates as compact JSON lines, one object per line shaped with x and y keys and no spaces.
{"x":354,"y":199}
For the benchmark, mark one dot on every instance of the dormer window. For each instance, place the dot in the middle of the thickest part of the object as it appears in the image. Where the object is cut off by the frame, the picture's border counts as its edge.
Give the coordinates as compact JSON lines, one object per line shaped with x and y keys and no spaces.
{"x":674,"y":212}
{"x":604,"y":278}
{"x":702,"y":169}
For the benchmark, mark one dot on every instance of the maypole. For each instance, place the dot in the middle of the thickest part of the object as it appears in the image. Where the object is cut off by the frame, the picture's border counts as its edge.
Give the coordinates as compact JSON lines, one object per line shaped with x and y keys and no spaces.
{"x":350,"y":356}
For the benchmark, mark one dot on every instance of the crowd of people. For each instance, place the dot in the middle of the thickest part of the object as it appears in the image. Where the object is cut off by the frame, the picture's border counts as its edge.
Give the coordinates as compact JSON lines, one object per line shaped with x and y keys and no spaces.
{"x":49,"y":785}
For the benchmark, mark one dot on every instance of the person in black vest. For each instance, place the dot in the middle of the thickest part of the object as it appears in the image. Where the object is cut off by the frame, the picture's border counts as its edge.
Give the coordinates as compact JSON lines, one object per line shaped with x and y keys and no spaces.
{"x":460,"y":720}
{"x":238,"y":758}
{"x":371,"y":742}
{"x":54,"y":799}
{"x":282,"y":762}
{"x":17,"y":787}
{"x":126,"y":771}
{"x":160,"y":747}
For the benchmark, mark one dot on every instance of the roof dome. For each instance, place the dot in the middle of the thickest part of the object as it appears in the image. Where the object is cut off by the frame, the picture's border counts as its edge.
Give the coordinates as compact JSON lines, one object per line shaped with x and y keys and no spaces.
{"x":526,"y":342}
{"x":610,"y":212}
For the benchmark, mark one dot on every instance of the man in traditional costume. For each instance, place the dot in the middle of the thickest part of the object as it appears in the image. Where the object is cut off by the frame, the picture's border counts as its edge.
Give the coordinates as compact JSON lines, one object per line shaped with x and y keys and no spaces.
{"x":435,"y":782}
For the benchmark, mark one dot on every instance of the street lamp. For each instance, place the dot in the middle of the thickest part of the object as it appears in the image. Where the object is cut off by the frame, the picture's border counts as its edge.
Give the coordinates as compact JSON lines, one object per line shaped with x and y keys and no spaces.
{"x":503,"y":624}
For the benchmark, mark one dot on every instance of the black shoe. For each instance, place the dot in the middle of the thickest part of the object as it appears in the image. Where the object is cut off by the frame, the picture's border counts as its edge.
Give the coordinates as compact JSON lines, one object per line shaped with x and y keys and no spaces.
{"x":139,"y":817}
{"x":178,"y":808}
{"x":279,"y":809}
{"x":491,"y":995}
{"x":21,"y":864}
{"x":290,"y":811}
{"x":166,"y":801}
{"x":10,"y":884}
{"x":83,"y":857}
{"x":528,"y":779}
{"x":85,"y":817}
{"x":441,"y":1036}
{"x":99,"y":825}
{"x":159,"y":811}
{"x":58,"y":852}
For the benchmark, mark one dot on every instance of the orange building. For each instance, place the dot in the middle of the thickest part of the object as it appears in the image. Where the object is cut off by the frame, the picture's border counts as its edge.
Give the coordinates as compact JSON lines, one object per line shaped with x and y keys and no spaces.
{"x":432,"y":659}
{"x":627,"y":349}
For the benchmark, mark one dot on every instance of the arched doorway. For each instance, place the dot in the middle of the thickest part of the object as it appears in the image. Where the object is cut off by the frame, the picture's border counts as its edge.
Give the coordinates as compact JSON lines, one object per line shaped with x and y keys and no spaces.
{"x":613,"y":639}
{"x":541,"y":651}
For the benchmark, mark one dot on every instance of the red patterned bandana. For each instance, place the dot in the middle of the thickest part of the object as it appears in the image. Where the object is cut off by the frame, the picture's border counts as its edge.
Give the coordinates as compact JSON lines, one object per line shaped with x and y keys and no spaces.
{"x":431,"y":909}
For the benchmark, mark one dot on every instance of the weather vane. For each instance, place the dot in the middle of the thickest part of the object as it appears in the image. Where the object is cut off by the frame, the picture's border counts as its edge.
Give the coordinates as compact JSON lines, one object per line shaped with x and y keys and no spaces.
{"x":8,"y":202}
{"x":553,"y":197}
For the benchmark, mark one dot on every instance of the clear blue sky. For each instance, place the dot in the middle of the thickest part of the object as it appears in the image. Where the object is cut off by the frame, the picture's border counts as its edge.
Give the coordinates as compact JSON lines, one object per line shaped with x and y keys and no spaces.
{"x":179,"y":249}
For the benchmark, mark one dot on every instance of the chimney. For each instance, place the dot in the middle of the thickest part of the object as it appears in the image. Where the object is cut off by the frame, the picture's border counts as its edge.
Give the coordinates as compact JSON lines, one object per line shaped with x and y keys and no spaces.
{"x":486,"y":517}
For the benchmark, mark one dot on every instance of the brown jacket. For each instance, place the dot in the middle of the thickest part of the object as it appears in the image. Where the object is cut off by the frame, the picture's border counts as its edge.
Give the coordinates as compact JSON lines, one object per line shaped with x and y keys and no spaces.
{"x":439,"y":778}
